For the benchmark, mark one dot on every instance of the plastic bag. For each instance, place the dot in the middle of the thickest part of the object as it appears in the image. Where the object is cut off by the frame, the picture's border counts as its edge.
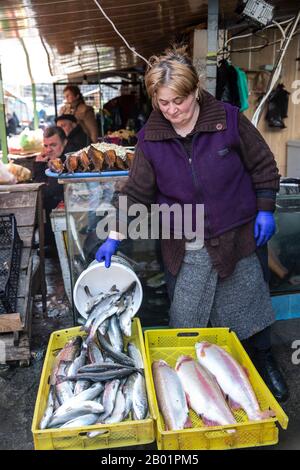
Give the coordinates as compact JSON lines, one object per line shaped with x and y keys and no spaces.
{"x":5,"y":176}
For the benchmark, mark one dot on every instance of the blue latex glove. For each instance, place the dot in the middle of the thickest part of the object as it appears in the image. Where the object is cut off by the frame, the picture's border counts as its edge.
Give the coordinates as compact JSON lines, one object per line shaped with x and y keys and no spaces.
{"x":264,"y":227}
{"x":106,"y":250}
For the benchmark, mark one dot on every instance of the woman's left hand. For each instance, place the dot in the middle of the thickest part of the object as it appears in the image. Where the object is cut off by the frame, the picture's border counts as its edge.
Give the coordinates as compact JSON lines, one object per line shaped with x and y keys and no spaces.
{"x":264,"y":227}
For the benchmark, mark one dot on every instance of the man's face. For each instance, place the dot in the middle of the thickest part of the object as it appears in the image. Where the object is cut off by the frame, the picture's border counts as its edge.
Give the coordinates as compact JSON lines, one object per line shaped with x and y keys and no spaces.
{"x":66,"y":125}
{"x":53,"y":146}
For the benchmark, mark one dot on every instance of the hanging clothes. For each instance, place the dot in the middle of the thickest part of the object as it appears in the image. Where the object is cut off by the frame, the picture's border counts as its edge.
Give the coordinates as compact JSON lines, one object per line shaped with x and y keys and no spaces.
{"x":277,"y":107}
{"x":232,"y":85}
{"x":242,"y":83}
{"x":227,"y":86}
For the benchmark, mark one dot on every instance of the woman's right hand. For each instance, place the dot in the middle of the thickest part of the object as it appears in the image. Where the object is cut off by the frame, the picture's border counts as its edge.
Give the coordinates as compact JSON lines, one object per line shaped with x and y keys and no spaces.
{"x":106,"y":250}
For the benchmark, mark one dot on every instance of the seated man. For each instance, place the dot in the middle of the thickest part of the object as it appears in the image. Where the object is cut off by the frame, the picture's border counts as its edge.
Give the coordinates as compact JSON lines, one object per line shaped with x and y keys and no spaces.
{"x":55,"y":142}
{"x":77,"y":138}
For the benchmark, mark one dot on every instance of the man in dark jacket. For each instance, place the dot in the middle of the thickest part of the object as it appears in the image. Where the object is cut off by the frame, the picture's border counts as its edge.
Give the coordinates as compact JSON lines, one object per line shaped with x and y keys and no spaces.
{"x":55,"y":142}
{"x":77,"y":138}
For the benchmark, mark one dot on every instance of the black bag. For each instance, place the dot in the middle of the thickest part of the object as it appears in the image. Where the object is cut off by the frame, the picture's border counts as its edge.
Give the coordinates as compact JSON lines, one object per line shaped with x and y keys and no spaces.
{"x":277,"y":107}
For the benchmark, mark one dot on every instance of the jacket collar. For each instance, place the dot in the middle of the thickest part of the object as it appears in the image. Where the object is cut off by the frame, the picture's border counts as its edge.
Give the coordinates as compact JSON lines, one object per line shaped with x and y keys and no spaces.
{"x":212,"y":118}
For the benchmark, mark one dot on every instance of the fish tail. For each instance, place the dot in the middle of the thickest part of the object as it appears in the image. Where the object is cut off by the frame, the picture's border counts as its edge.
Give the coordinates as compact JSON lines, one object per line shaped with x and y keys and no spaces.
{"x":188,"y":423}
{"x":267,"y":414}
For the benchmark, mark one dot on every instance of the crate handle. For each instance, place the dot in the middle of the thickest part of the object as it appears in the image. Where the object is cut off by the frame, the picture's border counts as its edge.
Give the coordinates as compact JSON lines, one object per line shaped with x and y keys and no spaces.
{"x":187,"y":334}
{"x":102,"y":433}
{"x":231,"y":432}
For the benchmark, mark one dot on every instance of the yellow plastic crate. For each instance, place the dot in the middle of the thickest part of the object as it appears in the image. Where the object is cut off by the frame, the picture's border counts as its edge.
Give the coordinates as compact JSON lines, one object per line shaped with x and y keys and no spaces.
{"x":169,"y":345}
{"x":126,"y":433}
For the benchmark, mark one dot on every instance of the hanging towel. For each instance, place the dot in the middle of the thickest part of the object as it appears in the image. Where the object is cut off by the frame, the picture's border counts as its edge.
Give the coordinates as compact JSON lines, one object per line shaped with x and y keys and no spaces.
{"x":242,"y":84}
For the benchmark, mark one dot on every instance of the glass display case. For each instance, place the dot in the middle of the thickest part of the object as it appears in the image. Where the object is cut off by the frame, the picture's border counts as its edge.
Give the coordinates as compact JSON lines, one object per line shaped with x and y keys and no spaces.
{"x":88,"y":201}
{"x":284,"y":247}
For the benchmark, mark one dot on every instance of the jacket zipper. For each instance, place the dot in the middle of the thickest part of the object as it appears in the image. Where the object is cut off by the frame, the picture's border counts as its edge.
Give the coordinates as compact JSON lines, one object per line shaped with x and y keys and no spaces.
{"x":197,"y":186}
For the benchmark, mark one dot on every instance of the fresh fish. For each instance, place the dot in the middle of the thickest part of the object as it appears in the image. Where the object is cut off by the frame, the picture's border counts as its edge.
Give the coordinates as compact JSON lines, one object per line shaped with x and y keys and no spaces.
{"x":135,"y":354}
{"x":102,"y":366}
{"x":232,"y":379}
{"x":114,"y":334}
{"x":96,"y":299}
{"x":80,"y":386}
{"x":103,"y":376}
{"x":118,"y":356}
{"x":119,"y":409}
{"x":94,"y":353}
{"x":128,"y":394}
{"x":104,"y":327}
{"x":84,"y":420}
{"x":139,"y":398}
{"x":101,"y":307}
{"x":203,"y":393}
{"x":73,"y":411}
{"x":170,"y":396}
{"x":99,"y":320}
{"x":63,"y":390}
{"x":66,"y":355}
{"x":50,"y":408}
{"x":126,"y":317}
{"x":90,"y":394}
{"x":78,"y":362}
{"x":109,"y":398}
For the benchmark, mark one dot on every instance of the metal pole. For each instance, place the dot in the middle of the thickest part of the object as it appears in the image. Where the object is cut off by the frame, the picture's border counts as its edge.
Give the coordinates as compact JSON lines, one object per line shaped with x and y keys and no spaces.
{"x":33,"y":89}
{"x":100,"y":98}
{"x":212,"y":46}
{"x":3,"y":135}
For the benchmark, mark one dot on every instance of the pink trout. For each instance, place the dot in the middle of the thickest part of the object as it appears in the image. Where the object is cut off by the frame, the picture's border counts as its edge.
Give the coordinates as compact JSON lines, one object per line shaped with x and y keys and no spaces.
{"x":203,"y":393}
{"x":170,"y":396}
{"x":232,"y":379}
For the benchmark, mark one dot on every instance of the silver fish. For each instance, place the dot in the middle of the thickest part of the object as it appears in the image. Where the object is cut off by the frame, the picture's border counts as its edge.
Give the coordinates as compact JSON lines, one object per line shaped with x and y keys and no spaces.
{"x":90,"y":394}
{"x":50,"y":408}
{"x":128,"y":393}
{"x":139,"y":398}
{"x":109,"y":398}
{"x":101,"y":308}
{"x":120,"y":357}
{"x":63,"y":391}
{"x":170,"y":396}
{"x":80,"y":386}
{"x":102,"y":366}
{"x":93,"y":301}
{"x":135,"y":354}
{"x":73,"y":411}
{"x":119,"y":409}
{"x":126,"y":317}
{"x":78,"y":362}
{"x":84,"y":420}
{"x":103,"y":376}
{"x":94,"y":353}
{"x":232,"y":379}
{"x":100,"y":319}
{"x":114,"y":334}
{"x":104,"y":327}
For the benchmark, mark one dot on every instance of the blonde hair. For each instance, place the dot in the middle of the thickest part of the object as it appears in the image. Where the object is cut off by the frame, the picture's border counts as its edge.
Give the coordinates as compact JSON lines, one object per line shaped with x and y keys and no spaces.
{"x":173,"y":69}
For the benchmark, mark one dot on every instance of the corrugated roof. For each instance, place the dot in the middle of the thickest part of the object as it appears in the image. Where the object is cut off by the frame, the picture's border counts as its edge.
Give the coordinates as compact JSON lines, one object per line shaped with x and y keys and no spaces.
{"x":78,"y":38}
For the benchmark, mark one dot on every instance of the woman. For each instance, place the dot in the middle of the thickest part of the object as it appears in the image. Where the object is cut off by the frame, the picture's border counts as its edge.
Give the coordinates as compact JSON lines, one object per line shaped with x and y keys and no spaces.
{"x":84,"y":114}
{"x":195,"y":149}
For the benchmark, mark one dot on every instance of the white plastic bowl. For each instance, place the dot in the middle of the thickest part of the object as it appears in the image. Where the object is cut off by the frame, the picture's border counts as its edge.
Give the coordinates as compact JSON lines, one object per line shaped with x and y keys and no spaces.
{"x":98,"y":278}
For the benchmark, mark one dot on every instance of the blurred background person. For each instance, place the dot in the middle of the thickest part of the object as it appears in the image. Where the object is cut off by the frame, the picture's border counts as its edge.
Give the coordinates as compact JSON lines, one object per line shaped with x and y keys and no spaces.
{"x":84,"y":114}
{"x":77,"y":138}
{"x":54,"y":141}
